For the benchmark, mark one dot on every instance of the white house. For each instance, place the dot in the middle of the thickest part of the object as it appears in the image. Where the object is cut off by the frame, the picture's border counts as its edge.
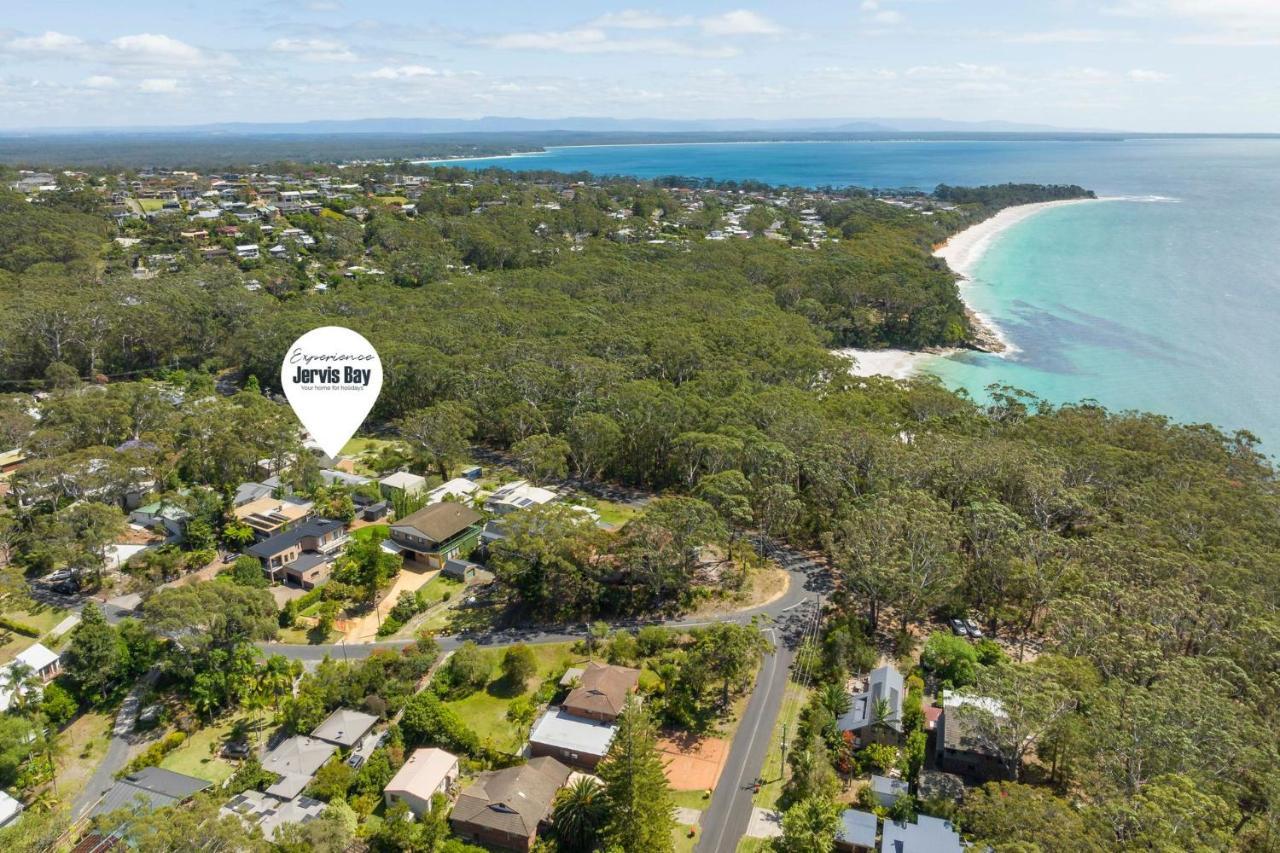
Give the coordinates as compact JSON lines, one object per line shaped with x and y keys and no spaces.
{"x":518,"y":495}
{"x":43,"y":663}
{"x":428,"y":772}
{"x":458,"y":489}
{"x":10,"y":809}
{"x":403,"y":482}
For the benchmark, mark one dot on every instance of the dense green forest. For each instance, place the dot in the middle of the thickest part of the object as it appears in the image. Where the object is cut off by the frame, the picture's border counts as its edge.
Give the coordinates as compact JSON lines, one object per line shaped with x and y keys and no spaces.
{"x":1129,"y":563}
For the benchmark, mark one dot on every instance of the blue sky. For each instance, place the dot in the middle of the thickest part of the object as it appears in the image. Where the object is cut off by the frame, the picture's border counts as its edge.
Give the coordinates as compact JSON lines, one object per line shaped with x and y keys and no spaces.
{"x":1160,"y":65}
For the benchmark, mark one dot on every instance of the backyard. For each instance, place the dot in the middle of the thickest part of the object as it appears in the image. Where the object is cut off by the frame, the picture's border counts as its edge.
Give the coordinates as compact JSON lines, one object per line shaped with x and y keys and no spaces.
{"x":41,"y":617}
{"x":199,"y":755}
{"x":485,"y":711}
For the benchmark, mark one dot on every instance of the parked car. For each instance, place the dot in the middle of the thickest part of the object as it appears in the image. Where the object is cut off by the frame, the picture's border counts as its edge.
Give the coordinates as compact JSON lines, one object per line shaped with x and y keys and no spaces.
{"x":958,"y":628}
{"x":355,"y":761}
{"x":974,"y":630}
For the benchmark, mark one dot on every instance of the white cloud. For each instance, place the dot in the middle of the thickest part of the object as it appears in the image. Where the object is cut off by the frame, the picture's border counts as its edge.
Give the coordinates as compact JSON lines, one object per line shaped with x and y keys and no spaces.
{"x":594,"y":40}
{"x":101,"y":81}
{"x":1222,"y":22}
{"x":1146,"y":75}
{"x":403,"y":72}
{"x":958,"y":71}
{"x":316,"y":50}
{"x":887,"y":16}
{"x":740,"y":22}
{"x":1069,"y":37}
{"x":158,"y":85}
{"x":50,"y":42}
{"x":157,"y":48}
{"x":639,"y":19}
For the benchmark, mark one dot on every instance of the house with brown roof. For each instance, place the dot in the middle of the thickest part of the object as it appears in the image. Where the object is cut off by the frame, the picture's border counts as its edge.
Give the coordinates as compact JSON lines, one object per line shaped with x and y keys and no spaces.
{"x":601,"y":692}
{"x":504,"y":808}
{"x":435,"y":534}
{"x":269,"y":515}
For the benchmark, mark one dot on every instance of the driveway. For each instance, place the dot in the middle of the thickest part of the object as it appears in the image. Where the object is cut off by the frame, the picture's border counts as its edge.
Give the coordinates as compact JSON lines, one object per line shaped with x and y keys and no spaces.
{"x":104,"y":776}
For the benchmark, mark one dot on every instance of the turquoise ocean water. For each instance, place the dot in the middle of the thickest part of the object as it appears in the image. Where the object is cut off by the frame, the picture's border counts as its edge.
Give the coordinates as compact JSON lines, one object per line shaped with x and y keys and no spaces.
{"x":1169,"y":305}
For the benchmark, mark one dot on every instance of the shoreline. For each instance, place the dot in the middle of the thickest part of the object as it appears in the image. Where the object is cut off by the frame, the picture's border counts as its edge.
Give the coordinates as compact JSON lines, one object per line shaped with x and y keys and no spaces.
{"x":962,"y":252}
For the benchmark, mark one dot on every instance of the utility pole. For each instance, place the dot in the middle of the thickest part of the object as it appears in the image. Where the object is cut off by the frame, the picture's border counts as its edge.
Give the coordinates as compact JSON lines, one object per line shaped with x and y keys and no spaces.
{"x":782,"y":758}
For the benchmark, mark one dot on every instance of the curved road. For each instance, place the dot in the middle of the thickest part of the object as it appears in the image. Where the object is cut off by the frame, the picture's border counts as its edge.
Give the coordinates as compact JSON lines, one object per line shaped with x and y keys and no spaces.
{"x":725,"y":820}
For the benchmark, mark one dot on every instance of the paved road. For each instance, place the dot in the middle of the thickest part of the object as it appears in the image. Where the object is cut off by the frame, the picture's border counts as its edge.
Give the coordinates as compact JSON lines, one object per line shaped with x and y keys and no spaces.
{"x":118,"y":749}
{"x":725,"y":820}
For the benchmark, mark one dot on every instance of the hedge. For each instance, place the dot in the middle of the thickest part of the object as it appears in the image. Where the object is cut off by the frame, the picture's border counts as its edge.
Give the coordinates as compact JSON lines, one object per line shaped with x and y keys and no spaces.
{"x":19,"y":627}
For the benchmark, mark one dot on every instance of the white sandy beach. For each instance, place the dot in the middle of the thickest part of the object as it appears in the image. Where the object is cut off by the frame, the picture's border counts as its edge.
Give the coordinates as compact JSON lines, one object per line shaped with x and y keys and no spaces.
{"x":962,"y":253}
{"x":893,"y":363}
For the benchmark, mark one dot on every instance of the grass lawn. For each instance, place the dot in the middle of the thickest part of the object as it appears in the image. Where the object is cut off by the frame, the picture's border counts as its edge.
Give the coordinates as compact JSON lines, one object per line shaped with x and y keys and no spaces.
{"x":753,"y":845}
{"x":83,"y":745}
{"x":360,"y":444}
{"x":303,"y":637}
{"x":331,"y":214}
{"x":794,"y":699}
{"x":196,"y":758}
{"x":691,"y":799}
{"x":150,"y":204}
{"x":614,"y":514}
{"x":392,"y":199}
{"x":42,"y":617}
{"x":485,"y":711}
{"x":373,"y":531}
{"x":681,"y":841}
{"x":434,"y":590}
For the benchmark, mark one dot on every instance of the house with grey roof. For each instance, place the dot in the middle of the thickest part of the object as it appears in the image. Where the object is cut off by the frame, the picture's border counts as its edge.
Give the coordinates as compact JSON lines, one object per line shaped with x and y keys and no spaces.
{"x":926,"y":835}
{"x":269,"y":813}
{"x":573,"y":740}
{"x":857,"y":833}
{"x":295,"y":761}
{"x":875,"y":714}
{"x":887,"y":790}
{"x":345,"y":727}
{"x":147,"y":790}
{"x":962,"y":744}
{"x":505,"y":808}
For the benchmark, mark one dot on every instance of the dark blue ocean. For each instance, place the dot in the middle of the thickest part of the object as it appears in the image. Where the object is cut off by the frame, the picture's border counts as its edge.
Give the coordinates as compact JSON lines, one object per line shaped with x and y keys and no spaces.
{"x":1168,"y":305}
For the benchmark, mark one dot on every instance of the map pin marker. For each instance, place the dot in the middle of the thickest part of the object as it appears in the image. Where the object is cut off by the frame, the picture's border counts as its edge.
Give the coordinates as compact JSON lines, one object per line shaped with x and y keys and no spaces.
{"x":332,"y":377}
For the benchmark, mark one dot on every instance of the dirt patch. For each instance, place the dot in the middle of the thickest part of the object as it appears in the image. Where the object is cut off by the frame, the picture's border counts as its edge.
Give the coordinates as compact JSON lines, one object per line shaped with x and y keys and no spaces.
{"x":767,"y":585}
{"x":693,"y":763}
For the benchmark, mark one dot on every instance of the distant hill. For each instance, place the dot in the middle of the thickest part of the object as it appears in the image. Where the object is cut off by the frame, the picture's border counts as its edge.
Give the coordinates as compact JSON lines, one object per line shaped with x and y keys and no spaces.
{"x":577,"y":124}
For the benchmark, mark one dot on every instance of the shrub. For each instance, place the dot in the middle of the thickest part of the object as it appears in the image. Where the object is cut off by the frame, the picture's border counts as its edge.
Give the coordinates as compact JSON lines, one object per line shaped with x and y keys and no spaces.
{"x":18,"y":627}
{"x":155,"y":753}
{"x":468,"y":669}
{"x":519,"y":665}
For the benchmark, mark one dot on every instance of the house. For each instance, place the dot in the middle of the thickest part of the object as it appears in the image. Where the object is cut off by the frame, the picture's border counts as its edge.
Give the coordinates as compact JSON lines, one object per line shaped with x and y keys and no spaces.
{"x":376,"y":511}
{"x":471,"y":472}
{"x":458,"y":489}
{"x":602,"y":692}
{"x":38,"y":662}
{"x":504,"y":808}
{"x":568,"y":738}
{"x":248,"y":251}
{"x":166,"y":514}
{"x":269,"y":516}
{"x":269,"y":813}
{"x":148,"y":789}
{"x":402,"y":482}
{"x":857,"y":833}
{"x":304,"y":555}
{"x":926,"y":835}
{"x":343,"y":478}
{"x":249,"y":492}
{"x":875,"y":714}
{"x":295,"y":761}
{"x":10,"y":809}
{"x":436,"y":533}
{"x":428,"y":772}
{"x":345,"y":727}
{"x":516,"y":496}
{"x":959,"y":745}
{"x":887,"y":790}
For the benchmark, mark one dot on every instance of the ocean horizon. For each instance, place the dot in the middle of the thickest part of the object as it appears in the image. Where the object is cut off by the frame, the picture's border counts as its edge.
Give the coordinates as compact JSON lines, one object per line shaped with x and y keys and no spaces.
{"x":1165,"y":300}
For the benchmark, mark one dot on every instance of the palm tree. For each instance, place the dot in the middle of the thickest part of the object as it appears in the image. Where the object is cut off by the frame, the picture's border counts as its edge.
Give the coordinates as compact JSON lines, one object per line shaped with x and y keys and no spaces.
{"x":836,"y":700}
{"x":579,"y":815}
